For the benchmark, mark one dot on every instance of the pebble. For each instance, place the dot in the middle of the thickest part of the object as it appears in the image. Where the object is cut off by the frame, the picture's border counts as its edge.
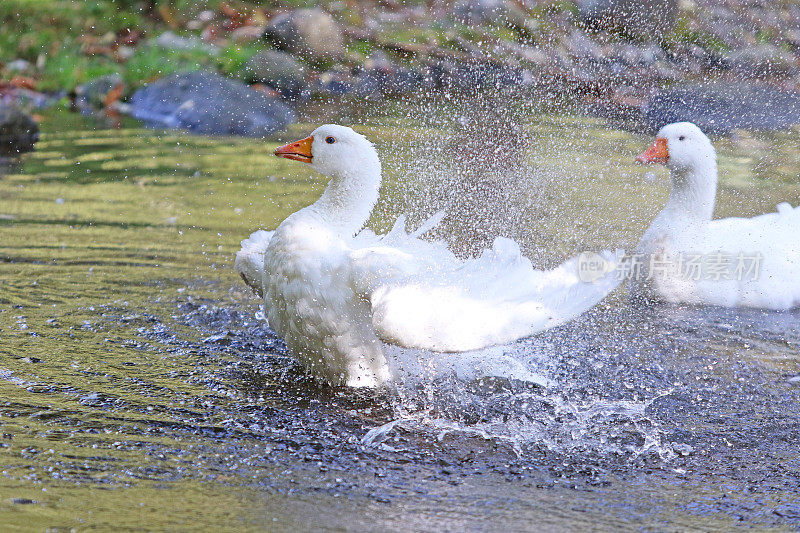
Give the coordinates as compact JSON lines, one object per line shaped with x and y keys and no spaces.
{"x":18,"y":65}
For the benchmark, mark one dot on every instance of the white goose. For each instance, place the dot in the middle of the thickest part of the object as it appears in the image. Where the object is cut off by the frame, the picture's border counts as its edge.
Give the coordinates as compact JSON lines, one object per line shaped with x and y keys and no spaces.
{"x":733,"y":262}
{"x":335,"y":294}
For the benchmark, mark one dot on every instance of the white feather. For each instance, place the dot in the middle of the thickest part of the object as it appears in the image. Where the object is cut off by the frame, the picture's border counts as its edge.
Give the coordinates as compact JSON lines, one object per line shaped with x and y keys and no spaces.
{"x":249,"y":261}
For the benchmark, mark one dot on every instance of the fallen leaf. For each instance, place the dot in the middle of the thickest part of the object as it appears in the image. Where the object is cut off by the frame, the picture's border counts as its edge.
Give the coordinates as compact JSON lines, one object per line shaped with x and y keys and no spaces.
{"x":113,"y":95}
{"x":23,"y":82}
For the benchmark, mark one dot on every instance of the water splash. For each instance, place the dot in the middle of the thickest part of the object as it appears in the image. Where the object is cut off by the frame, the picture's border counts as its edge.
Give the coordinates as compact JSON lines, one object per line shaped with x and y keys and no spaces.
{"x":530,"y":418}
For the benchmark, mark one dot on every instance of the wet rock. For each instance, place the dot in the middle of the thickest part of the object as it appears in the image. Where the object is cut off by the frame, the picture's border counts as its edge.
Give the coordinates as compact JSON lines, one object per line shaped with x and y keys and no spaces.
{"x":277,"y":69}
{"x":683,"y":449}
{"x":311,"y":33}
{"x":693,"y":59}
{"x":722,"y":107}
{"x":762,"y":60}
{"x":622,"y":106}
{"x":208,"y":103}
{"x":94,"y":94}
{"x":220,"y":338}
{"x":450,"y":75}
{"x":476,"y":12}
{"x":18,"y":131}
{"x":636,"y":18}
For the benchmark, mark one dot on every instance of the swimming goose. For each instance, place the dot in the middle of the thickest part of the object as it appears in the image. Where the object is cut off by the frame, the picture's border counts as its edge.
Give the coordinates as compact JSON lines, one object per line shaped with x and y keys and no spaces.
{"x":336,"y":294}
{"x":686,"y":257}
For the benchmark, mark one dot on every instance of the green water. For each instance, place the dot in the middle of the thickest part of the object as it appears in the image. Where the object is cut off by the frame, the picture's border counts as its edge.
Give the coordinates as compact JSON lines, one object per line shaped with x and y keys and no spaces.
{"x":119,"y":409}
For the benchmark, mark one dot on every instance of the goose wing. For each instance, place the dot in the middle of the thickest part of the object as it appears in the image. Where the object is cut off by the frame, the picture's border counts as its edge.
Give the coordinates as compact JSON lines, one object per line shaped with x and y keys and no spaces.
{"x":764,"y":252}
{"x":774,"y":233}
{"x":249,"y":261}
{"x":422,"y":296}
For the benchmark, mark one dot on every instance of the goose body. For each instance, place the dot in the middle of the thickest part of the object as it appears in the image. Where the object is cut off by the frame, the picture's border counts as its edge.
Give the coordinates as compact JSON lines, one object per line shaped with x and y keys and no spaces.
{"x":338,"y":295}
{"x":686,"y":257}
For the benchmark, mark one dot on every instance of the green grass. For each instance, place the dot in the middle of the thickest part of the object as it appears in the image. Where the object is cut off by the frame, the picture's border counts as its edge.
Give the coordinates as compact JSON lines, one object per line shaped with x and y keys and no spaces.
{"x":65,"y":70}
{"x":29,"y":28}
{"x":683,"y":33}
{"x":48,"y":33}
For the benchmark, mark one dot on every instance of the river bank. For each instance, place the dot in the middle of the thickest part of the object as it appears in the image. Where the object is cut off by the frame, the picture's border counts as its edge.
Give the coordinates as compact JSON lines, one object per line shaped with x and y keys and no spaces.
{"x":678,"y":62}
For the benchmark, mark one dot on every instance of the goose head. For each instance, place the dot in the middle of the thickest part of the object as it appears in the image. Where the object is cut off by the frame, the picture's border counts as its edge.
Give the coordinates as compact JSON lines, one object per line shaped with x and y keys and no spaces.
{"x":352,"y":163}
{"x":682,"y":147}
{"x":334,"y":150}
{"x":692,"y":161}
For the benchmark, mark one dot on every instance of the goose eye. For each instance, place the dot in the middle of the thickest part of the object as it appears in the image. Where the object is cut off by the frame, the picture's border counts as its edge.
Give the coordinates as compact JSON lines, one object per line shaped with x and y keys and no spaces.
{"x":682,"y":138}
{"x":330,"y":140}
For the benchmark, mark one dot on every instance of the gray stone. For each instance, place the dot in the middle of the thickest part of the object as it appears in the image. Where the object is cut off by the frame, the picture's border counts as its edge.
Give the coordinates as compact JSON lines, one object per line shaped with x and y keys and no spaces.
{"x":333,"y":83}
{"x":207,"y":103}
{"x":18,"y":65}
{"x":385,"y":82}
{"x":91,"y":95}
{"x":762,"y":60}
{"x":18,"y":131}
{"x":311,"y":33}
{"x":721,"y":107}
{"x":247,"y":34}
{"x":635,"y":18}
{"x":277,"y":69}
{"x":464,"y":76}
{"x":501,"y":12}
{"x":172,"y":41}
{"x":381,"y":76}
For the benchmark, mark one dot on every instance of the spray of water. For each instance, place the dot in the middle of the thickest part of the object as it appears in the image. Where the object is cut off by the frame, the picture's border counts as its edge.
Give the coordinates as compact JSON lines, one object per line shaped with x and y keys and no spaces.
{"x":469,"y":154}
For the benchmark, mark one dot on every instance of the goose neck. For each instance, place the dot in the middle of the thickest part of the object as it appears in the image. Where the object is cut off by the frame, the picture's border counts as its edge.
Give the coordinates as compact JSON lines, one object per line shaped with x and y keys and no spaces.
{"x":693,"y":192}
{"x":349,"y":198}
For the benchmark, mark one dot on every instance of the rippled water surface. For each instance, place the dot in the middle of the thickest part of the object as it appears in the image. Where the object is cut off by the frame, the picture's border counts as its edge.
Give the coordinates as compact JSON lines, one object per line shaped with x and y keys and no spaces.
{"x":139,"y":389}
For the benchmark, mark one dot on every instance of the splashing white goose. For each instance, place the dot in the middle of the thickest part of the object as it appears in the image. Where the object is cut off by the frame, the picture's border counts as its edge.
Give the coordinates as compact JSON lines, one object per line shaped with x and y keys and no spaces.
{"x":335,"y":294}
{"x":733,"y":262}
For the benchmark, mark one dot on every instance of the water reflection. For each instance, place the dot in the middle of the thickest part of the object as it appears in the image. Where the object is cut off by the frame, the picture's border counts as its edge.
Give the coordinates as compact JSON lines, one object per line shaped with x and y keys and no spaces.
{"x":9,"y":165}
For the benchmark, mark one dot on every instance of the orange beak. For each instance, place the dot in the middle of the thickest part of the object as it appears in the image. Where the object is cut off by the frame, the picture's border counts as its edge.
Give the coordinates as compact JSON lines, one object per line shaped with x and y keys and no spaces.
{"x":297,"y":151}
{"x":658,"y":153}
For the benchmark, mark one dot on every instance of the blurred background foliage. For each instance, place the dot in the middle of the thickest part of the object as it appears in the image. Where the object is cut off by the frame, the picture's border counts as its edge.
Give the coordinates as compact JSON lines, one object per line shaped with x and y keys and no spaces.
{"x":57,"y":35}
